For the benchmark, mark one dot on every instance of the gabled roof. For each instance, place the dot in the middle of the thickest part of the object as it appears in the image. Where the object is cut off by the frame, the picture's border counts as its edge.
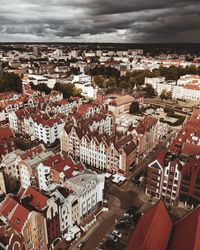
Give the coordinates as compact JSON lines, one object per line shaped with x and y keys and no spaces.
{"x":190,"y":149}
{"x":186,"y":234}
{"x":159,"y":160}
{"x":15,"y":213}
{"x":153,"y":230}
{"x":37,"y":199}
{"x":19,"y":218}
{"x":63,"y":165}
{"x":7,"y":206}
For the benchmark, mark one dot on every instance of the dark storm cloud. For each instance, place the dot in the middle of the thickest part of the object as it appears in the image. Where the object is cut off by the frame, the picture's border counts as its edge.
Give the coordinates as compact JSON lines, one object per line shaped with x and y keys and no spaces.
{"x":105,"y":20}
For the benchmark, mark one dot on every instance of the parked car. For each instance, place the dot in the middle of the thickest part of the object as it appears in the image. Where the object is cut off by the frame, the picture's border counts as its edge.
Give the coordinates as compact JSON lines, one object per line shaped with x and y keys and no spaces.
{"x":109,"y":243}
{"x":132,"y":210}
{"x":81,"y":245}
{"x":120,"y":226}
{"x":138,"y":179}
{"x":117,"y":233}
{"x":125,"y":220}
{"x":131,"y":168}
{"x":113,"y":238}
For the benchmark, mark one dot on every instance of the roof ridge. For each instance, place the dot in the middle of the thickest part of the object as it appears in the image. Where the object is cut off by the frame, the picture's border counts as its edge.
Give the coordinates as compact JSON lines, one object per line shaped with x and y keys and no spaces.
{"x":151,"y":224}
{"x":189,"y":213}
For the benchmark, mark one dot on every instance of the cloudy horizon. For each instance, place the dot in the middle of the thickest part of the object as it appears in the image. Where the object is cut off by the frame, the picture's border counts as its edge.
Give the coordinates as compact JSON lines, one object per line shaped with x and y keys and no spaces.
{"x":100,"y":21}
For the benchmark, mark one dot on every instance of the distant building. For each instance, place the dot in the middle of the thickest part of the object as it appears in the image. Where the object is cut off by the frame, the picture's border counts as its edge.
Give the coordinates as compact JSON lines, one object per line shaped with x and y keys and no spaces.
{"x":120,"y":104}
{"x":36,"y":51}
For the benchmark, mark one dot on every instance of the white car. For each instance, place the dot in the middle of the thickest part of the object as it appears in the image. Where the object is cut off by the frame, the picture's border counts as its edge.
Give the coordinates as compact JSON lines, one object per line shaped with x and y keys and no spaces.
{"x":117,"y":233}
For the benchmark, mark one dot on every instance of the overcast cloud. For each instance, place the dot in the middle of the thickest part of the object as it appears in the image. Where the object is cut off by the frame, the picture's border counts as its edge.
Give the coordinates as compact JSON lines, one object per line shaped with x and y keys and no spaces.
{"x":100,"y":20}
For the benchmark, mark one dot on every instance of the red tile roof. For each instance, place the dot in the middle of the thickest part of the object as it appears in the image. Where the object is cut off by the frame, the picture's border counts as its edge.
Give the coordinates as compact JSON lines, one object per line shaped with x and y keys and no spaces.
{"x":5,"y":134}
{"x":19,"y":217}
{"x":153,"y":230}
{"x":15,"y":213}
{"x":65,"y":165}
{"x":37,"y":199}
{"x":186,"y":233}
{"x":7,"y":207}
{"x":190,"y":149}
{"x":161,"y":157}
{"x":31,"y":152}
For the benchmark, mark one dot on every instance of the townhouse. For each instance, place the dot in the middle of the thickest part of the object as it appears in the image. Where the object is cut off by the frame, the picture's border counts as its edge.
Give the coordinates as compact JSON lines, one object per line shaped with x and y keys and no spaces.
{"x":89,"y":110}
{"x":89,"y":187}
{"x":48,"y":208}
{"x":37,"y":124}
{"x":48,"y":130}
{"x":69,"y":213}
{"x":147,"y":133}
{"x":28,"y":164}
{"x":26,"y":224}
{"x":103,"y":122}
{"x":57,"y":169}
{"x":164,"y":178}
{"x":9,"y":167}
{"x":101,"y":151}
{"x":190,"y":182}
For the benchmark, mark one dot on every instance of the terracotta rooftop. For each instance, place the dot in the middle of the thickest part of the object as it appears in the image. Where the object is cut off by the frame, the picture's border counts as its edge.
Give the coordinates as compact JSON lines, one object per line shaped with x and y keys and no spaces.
{"x":186,"y":233}
{"x":5,"y":134}
{"x":37,"y":199}
{"x":153,"y":230}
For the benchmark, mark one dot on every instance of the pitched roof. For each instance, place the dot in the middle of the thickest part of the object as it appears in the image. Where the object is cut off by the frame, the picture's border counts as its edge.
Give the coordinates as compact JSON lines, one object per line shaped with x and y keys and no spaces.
{"x":33,"y":151}
{"x":7,"y":206}
{"x":37,"y":199}
{"x":186,"y":234}
{"x":121,"y":100}
{"x":15,"y":213}
{"x":19,"y":217}
{"x":153,"y":230}
{"x":5,"y":133}
{"x":190,"y":149}
{"x":65,"y":165}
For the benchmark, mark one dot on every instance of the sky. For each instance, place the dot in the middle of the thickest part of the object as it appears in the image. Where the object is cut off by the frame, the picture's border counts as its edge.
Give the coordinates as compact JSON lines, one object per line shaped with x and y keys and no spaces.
{"x":132,"y":21}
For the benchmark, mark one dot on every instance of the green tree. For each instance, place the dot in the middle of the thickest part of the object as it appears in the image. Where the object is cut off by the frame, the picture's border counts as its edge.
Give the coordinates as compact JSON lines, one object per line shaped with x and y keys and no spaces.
{"x":10,"y":82}
{"x":41,"y":87}
{"x":166,"y":95}
{"x":68,"y":90}
{"x":134,"y":108}
{"x":99,"y":80}
{"x":124,"y":85}
{"x":149,"y":91}
{"x":111,"y":82}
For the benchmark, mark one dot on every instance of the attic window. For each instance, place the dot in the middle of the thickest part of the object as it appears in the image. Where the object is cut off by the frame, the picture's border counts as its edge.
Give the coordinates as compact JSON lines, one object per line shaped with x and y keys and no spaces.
{"x":17,"y":221}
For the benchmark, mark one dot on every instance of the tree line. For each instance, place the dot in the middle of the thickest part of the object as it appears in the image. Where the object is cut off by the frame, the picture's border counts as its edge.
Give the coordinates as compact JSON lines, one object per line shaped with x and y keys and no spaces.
{"x":106,"y":77}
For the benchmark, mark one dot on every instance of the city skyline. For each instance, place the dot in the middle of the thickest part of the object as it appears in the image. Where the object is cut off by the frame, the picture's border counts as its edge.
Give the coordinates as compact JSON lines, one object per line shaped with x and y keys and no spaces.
{"x":95,"y":21}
